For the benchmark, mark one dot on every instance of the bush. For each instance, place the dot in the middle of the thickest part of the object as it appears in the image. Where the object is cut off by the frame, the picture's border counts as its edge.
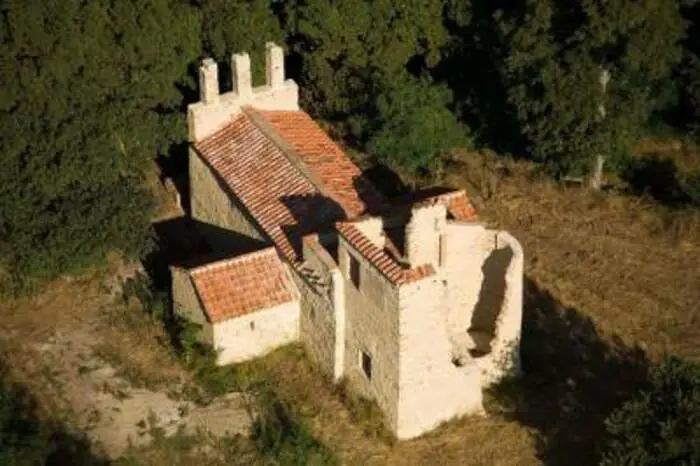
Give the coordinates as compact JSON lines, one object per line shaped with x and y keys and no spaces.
{"x":414,"y":125}
{"x":280,"y":434}
{"x":662,"y":424}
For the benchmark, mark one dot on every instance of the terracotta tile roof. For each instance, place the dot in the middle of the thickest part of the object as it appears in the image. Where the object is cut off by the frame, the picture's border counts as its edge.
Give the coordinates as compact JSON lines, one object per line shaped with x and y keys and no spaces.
{"x":459,"y":206}
{"x":457,"y":202}
{"x":235,"y":287}
{"x":380,"y":259}
{"x":265,"y":181}
{"x":269,"y":183}
{"x":339,"y":175}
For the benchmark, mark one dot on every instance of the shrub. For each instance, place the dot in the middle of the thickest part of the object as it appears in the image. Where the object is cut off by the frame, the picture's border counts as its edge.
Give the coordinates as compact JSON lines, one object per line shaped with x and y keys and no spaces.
{"x":414,"y":125}
{"x":661,"y":425}
{"x":280,"y":434}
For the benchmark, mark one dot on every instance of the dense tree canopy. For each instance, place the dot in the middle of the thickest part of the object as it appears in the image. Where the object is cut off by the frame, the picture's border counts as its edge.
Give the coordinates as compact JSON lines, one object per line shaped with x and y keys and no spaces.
{"x":348,"y":49}
{"x":414,"y":127}
{"x":89,"y":95}
{"x":585,"y":76}
{"x":91,"y":91}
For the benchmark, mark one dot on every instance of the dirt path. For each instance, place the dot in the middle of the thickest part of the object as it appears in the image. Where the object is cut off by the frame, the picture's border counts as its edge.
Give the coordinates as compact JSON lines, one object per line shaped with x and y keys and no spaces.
{"x":55,"y":345}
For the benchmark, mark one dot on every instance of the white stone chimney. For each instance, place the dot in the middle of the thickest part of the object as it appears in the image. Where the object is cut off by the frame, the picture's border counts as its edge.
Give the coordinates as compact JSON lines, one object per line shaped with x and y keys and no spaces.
{"x":215,"y":110}
{"x":423,"y":234}
{"x":209,"y":81}
{"x":274,"y":65}
{"x":241,"y":76}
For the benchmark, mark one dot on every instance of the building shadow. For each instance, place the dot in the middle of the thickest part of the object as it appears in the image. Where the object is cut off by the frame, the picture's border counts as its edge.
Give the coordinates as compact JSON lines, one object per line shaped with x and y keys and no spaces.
{"x":184,"y":242}
{"x":385,"y":180}
{"x":573,"y":379}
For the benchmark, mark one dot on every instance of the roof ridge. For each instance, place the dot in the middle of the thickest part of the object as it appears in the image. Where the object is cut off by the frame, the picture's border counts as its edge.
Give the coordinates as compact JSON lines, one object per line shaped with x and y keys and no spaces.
{"x":233,"y":260}
{"x":261,"y":123}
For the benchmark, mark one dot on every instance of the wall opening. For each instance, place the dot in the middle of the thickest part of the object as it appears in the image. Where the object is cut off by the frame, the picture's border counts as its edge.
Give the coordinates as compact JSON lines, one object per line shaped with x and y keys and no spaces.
{"x":252,"y":325}
{"x":366,"y":364}
{"x":355,"y":272}
{"x":491,"y":297}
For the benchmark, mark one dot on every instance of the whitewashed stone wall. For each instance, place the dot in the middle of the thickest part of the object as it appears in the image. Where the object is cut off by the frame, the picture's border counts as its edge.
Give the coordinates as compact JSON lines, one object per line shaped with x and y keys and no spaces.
{"x":422,"y":234}
{"x":431,"y":388}
{"x":372,"y":326}
{"x":212,"y":203}
{"x":467,"y":245}
{"x":255,"y":334}
{"x":373,"y":229}
{"x":505,"y":355}
{"x":187,"y":305}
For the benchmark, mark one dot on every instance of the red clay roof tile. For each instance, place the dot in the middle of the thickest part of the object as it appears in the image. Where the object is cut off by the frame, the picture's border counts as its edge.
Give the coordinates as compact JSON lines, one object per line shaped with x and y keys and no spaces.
{"x":248,"y":283}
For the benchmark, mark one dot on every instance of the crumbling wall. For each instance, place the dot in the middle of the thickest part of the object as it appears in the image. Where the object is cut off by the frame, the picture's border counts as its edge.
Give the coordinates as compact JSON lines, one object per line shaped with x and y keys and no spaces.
{"x":432,"y":389}
{"x":422,"y":234}
{"x":322,"y":308}
{"x":505,"y":354}
{"x":466,"y":247}
{"x":213,"y":203}
{"x":372,"y":328}
{"x":187,"y":305}
{"x":257,"y":333}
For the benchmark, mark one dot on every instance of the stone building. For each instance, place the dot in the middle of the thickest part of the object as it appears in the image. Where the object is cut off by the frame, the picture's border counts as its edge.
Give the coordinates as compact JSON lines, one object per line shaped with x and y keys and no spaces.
{"x":411,"y":300}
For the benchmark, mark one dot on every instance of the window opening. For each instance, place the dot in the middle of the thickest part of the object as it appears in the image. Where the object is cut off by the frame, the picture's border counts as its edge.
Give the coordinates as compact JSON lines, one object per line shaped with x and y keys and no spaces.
{"x":366,"y":362}
{"x":355,"y":272}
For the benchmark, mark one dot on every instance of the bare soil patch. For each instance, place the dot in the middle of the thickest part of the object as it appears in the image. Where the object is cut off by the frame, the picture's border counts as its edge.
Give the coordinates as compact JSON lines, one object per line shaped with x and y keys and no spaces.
{"x":105,"y":369}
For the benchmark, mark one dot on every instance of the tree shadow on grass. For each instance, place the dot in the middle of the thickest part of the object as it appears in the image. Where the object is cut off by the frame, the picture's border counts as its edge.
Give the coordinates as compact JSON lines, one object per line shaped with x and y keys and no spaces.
{"x":573,"y":379}
{"x":25,"y":438}
{"x":659,"y":177}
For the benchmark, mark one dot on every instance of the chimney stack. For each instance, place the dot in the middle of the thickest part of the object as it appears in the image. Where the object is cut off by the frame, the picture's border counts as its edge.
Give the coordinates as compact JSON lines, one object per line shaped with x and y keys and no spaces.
{"x":208,"y":81}
{"x":274,"y":65}
{"x":240,"y":74}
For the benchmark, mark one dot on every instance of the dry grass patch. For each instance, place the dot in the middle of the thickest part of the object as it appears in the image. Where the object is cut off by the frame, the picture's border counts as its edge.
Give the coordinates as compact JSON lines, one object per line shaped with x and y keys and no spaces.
{"x":478,"y":441}
{"x":630,"y":263}
{"x":140,"y":349}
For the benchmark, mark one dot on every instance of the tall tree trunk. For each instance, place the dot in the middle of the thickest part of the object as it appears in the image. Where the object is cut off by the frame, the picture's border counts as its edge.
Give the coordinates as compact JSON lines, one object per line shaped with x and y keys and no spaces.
{"x":596,"y":178}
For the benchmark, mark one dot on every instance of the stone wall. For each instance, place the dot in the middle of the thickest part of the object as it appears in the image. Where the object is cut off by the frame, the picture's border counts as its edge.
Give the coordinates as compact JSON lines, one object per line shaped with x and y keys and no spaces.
{"x":422,"y":245}
{"x":432,"y":389}
{"x":372,"y":327}
{"x":212,"y":203}
{"x":466,"y":247}
{"x":318,"y":321}
{"x":255,"y":334}
{"x":187,"y":305}
{"x":505,"y":354}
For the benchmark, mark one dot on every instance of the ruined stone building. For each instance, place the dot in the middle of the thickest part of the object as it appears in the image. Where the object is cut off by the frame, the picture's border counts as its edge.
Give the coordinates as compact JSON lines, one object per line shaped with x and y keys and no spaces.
{"x":411,"y":300}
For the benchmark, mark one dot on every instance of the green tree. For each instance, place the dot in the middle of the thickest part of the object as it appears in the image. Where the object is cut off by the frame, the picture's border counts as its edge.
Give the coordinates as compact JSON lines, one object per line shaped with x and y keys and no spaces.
{"x":88,"y":94}
{"x":662,"y":424}
{"x":585,"y":76}
{"x":348,"y":47}
{"x":414,"y":126}
{"x":233,"y":26}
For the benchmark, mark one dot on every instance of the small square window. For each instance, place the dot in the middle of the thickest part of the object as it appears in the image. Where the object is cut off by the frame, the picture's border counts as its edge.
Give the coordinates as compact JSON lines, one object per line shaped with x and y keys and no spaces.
{"x":355,"y":272}
{"x":366,"y":363}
